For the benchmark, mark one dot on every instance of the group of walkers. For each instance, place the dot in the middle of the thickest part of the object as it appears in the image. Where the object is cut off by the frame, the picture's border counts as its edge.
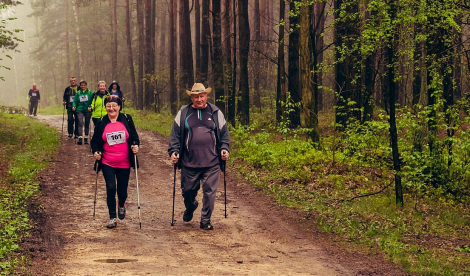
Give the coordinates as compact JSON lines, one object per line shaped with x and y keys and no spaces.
{"x":199,"y":144}
{"x":82,"y":104}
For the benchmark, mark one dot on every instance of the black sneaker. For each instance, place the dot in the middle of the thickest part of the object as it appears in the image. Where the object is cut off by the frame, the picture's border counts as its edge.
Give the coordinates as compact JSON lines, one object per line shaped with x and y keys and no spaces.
{"x":188,"y":213}
{"x":85,"y":141}
{"x":121,"y":212}
{"x":79,"y":141}
{"x":70,"y":135}
{"x":206,"y":226}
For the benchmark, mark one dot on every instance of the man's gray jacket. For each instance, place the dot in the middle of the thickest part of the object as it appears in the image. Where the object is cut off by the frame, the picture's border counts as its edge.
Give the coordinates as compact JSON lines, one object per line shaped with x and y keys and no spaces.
{"x":178,"y":133}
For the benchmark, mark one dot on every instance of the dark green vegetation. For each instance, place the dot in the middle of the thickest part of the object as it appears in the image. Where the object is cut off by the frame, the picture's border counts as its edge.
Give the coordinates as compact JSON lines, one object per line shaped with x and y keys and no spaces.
{"x":25,"y":148}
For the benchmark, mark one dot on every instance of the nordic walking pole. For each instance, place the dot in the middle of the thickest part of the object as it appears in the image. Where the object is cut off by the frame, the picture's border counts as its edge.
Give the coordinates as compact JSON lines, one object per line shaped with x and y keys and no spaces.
{"x":63,"y":118}
{"x":225,"y":188}
{"x":137,"y":185}
{"x":174,"y":188}
{"x":97,"y":168}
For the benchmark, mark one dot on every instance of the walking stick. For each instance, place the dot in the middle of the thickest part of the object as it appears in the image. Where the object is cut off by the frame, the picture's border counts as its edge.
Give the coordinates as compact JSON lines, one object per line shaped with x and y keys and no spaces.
{"x":63,"y":118}
{"x":96,"y":167}
{"x":225,"y":189}
{"x":137,"y":182}
{"x":174,"y":188}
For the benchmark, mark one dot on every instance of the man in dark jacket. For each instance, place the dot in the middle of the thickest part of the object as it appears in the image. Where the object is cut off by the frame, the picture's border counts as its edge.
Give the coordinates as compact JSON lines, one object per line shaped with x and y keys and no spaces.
{"x":34,"y":99}
{"x":72,"y":119}
{"x":200,"y":137}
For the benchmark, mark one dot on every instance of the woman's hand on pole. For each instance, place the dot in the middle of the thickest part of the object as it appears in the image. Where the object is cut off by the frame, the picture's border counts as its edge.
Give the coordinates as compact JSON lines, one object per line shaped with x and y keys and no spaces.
{"x":225,"y":154}
{"x":174,"y":157}
{"x":135,"y":149}
{"x":97,"y":155}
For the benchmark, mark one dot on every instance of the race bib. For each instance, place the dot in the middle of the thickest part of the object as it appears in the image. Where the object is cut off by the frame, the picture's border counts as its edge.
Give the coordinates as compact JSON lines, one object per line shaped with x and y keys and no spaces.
{"x":33,"y":94}
{"x":71,"y":99}
{"x":83,"y":98}
{"x":115,"y":138}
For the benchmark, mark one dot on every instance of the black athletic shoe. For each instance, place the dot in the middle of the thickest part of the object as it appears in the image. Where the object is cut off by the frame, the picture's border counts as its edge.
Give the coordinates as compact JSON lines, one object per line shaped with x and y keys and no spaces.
{"x":188,"y":213}
{"x":70,"y":135}
{"x":206,"y":226}
{"x":85,"y":141}
{"x":121,"y":212}
{"x":79,"y":141}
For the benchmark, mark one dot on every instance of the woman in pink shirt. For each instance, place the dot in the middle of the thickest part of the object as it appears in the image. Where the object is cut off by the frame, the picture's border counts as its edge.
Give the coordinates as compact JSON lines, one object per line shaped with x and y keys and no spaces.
{"x":114,"y":142}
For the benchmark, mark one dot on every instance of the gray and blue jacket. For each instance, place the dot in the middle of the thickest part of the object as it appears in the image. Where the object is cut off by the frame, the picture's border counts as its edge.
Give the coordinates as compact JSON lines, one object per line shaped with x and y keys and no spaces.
{"x":178,"y":133}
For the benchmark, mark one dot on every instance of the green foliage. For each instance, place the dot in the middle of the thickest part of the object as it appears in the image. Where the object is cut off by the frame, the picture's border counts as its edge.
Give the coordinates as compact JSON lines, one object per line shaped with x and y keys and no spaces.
{"x":25,"y":148}
{"x":158,"y":122}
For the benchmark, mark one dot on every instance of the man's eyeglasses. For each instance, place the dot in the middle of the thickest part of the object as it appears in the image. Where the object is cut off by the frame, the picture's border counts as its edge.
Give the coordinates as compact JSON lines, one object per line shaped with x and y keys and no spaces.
{"x":111,"y":106}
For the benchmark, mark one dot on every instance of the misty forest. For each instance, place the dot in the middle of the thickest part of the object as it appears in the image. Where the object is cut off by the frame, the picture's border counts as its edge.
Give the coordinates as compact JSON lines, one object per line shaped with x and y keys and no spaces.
{"x":354,"y":114}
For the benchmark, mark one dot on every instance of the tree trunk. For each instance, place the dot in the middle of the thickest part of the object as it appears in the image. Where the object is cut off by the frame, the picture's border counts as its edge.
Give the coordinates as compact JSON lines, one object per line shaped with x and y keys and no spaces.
{"x":217,"y":60}
{"x":281,"y":80}
{"x":233,"y":93}
{"x":149,"y":55}
{"x":129,"y":50}
{"x":309,"y":116}
{"x":140,"y":77}
{"x":172,"y":57}
{"x":206,"y":36}
{"x":257,"y":56}
{"x":79,"y":68}
{"x":228,"y":57}
{"x":294,"y":65}
{"x":244,"y":49}
{"x":197,"y":46}
{"x":67,"y":40}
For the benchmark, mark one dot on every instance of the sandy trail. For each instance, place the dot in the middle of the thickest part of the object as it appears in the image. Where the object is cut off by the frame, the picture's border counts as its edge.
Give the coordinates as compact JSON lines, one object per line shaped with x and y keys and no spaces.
{"x":251,"y":241}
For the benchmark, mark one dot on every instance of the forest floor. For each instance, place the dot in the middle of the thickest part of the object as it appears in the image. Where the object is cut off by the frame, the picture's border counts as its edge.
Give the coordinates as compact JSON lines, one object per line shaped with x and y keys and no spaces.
{"x":256,"y":238}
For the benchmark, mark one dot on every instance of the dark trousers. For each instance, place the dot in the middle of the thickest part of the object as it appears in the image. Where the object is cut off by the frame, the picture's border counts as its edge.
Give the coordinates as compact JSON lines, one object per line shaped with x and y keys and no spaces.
{"x":33,"y":108}
{"x":96,"y":121}
{"x":191,"y":180}
{"x":72,"y":122}
{"x":83,"y":116}
{"x":110,"y":176}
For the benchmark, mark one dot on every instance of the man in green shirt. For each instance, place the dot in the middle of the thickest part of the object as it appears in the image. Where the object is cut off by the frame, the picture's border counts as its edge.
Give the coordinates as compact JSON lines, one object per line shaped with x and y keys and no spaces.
{"x":82,"y":105}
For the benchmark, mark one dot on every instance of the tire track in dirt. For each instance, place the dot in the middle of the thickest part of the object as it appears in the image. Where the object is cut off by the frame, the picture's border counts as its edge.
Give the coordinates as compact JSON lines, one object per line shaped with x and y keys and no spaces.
{"x":248,"y":242}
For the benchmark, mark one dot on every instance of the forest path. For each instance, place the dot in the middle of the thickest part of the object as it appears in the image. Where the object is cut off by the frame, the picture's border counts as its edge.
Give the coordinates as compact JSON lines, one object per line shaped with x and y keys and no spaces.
{"x":252,"y":240}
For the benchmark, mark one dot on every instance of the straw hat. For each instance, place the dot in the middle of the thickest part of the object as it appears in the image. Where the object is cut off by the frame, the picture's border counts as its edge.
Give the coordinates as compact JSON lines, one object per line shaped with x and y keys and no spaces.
{"x":198,"y":88}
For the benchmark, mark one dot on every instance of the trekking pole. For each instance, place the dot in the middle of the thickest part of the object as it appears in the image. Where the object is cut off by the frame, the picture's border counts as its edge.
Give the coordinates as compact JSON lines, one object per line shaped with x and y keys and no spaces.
{"x":137,"y":182}
{"x":174,"y":188}
{"x":97,"y":169}
{"x":225,"y":188}
{"x":63,"y":118}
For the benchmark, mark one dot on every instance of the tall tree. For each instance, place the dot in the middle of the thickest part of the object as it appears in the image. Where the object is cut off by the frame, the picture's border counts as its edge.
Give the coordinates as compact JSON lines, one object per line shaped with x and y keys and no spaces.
{"x":243,"y":106}
{"x":172,"y":57}
{"x":205,"y":39}
{"x":228,"y":55}
{"x":309,"y":118}
{"x":233,"y":92}
{"x":197,"y":46}
{"x":281,"y":70}
{"x":149,"y":53}
{"x":79,"y":64}
{"x":140,"y":74}
{"x":294,"y":62}
{"x":130,"y":56}
{"x":67,"y":40}
{"x":114,"y":52}
{"x":217,"y":60}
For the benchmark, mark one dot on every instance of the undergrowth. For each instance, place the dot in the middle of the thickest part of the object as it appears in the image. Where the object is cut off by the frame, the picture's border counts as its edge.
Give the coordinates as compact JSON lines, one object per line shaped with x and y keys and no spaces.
{"x":25,"y":148}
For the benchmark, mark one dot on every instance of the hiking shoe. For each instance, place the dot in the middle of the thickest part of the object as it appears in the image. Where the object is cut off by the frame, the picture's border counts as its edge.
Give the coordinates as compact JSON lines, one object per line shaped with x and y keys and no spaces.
{"x":121,"y":212}
{"x":79,"y":140}
{"x":85,"y":141}
{"x":206,"y":226}
{"x":112,"y":223}
{"x":188,"y":213}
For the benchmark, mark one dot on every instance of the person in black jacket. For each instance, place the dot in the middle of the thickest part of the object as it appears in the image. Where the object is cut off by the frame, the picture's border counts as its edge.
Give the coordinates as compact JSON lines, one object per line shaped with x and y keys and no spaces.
{"x":34,"y":99}
{"x":115,"y":91}
{"x":72,"y":118}
{"x":114,"y":142}
{"x":200,"y":137}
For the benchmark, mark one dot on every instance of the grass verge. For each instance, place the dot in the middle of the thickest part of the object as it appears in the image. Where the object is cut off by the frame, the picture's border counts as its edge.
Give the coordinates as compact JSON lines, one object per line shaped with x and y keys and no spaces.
{"x":25,"y":148}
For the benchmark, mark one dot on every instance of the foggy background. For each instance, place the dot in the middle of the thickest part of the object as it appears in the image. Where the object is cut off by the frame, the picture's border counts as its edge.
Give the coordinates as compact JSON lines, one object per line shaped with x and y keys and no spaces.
{"x":23,"y":69}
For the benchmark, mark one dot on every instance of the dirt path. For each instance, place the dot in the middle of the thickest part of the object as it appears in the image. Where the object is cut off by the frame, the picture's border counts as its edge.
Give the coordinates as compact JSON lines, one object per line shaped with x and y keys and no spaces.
{"x":253,"y":240}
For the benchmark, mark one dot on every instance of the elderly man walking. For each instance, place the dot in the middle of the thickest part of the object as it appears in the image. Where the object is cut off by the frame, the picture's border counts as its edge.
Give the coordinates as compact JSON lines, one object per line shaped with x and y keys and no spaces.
{"x":199,"y":143}
{"x":69,"y":96}
{"x":34,"y":99}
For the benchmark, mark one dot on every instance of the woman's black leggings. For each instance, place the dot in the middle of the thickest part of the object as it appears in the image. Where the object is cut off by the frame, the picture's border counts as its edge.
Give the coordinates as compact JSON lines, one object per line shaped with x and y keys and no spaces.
{"x":110,"y":175}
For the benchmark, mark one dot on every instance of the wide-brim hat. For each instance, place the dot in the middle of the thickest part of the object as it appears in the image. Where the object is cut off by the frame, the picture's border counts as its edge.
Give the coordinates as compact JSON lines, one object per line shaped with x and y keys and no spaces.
{"x":198,"y":88}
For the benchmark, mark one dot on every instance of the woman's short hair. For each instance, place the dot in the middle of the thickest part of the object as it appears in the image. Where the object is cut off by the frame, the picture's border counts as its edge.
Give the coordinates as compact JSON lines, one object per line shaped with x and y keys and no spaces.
{"x":83,"y":81}
{"x":101,"y":81}
{"x":111,"y":99}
